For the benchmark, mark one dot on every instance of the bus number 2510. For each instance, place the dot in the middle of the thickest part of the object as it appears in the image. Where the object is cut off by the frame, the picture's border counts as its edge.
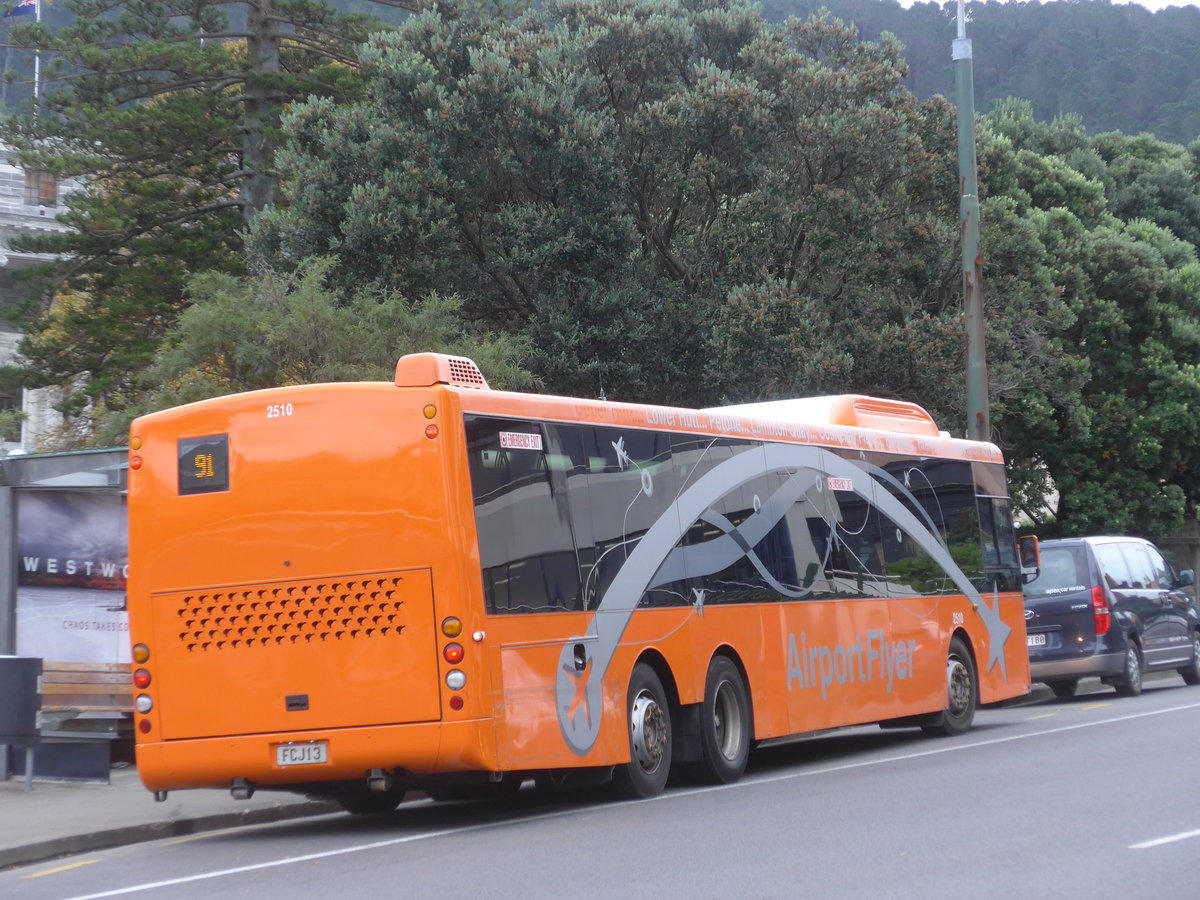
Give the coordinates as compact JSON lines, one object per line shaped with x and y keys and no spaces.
{"x":279,"y":410}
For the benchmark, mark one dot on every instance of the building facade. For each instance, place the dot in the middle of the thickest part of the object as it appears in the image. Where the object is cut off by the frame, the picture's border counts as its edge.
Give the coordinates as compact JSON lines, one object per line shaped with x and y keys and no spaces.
{"x":29,"y":204}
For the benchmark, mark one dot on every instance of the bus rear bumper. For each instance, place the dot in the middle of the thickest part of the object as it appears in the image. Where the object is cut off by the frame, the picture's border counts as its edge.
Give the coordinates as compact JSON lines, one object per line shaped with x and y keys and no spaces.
{"x":346,"y":754}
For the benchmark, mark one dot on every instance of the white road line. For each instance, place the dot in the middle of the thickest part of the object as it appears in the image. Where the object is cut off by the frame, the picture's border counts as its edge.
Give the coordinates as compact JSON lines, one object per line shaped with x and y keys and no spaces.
{"x":1169,"y":839}
{"x":673,"y":795}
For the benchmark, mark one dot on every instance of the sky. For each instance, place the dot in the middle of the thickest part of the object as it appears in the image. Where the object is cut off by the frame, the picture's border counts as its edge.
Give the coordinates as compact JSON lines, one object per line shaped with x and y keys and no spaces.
{"x":1149,"y":4}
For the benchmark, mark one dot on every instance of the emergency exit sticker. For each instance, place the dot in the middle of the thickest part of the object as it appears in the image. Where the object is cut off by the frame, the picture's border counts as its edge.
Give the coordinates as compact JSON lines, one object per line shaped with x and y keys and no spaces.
{"x":516,"y":440}
{"x":841,"y":484}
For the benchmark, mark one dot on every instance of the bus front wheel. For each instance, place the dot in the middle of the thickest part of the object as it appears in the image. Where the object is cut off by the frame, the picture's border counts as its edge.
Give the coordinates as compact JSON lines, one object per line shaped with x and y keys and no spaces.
{"x":961,"y":692}
{"x":725,"y":724}
{"x":649,"y":723}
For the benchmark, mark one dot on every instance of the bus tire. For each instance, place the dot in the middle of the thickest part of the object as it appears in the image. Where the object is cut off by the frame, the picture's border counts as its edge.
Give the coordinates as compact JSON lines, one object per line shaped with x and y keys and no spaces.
{"x":648,"y":721}
{"x":725,"y":724}
{"x":962,"y":692}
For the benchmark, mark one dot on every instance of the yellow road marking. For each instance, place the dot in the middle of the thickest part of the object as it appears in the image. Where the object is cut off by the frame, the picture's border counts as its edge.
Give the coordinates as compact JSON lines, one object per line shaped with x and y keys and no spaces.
{"x":1042,"y":716}
{"x":86,"y":862}
{"x":1096,"y":706}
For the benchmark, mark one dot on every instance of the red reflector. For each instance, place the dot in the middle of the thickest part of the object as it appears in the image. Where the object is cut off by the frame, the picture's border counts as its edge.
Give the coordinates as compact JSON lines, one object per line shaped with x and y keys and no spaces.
{"x":453,"y":653}
{"x":141,"y":679}
{"x":135,"y":462}
{"x":144,"y":726}
{"x":1100,"y":610}
{"x":431,"y":431}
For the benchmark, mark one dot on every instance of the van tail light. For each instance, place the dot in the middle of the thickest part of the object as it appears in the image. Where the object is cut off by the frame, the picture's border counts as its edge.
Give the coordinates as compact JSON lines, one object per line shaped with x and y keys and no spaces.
{"x":1100,"y":610}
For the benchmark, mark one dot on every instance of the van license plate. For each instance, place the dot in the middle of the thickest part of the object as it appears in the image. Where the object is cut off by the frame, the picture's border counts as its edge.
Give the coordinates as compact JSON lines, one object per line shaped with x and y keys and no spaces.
{"x":302,"y":754}
{"x":1035,"y":640}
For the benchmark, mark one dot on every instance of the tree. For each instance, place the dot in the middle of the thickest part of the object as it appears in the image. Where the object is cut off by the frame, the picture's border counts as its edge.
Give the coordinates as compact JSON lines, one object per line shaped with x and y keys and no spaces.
{"x":168,"y":114}
{"x":1117,"y":442}
{"x":252,"y":332}
{"x":676,"y":202}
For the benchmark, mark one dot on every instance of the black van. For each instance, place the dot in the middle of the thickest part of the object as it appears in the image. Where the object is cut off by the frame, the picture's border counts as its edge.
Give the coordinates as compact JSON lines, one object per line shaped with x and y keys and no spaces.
{"x":1110,"y":607}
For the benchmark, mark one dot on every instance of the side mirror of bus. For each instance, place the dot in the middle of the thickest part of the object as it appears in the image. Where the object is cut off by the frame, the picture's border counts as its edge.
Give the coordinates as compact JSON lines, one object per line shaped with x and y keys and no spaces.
{"x":1031,"y":558}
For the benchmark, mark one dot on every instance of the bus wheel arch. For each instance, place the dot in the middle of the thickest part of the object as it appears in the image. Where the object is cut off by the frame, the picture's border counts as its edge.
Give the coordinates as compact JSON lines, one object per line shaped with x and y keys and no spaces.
{"x":962,"y":689}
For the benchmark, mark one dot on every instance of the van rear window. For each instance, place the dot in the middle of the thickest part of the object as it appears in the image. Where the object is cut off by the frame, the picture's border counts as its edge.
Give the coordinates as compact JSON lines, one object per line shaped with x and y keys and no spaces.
{"x":1064,"y":570}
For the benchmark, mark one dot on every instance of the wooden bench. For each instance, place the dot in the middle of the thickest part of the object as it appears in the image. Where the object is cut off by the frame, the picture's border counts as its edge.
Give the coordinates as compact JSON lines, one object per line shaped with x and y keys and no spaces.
{"x":85,"y":698}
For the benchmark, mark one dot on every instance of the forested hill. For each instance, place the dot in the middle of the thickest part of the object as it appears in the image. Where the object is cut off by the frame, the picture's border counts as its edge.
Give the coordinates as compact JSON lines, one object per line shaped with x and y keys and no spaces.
{"x":1121,"y":67}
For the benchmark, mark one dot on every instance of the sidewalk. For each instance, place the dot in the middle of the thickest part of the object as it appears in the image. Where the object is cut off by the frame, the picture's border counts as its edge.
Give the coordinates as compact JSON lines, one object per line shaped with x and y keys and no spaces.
{"x":58,"y":818}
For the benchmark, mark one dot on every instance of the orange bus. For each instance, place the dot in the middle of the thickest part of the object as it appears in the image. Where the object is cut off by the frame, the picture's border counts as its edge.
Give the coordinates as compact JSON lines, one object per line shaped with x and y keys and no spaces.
{"x":353,"y":590}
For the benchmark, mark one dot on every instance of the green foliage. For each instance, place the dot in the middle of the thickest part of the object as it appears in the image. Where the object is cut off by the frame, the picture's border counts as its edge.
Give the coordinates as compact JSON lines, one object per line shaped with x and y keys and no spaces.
{"x":167,"y":114}
{"x":675,"y":200}
{"x":1117,"y":439}
{"x":248,"y":333}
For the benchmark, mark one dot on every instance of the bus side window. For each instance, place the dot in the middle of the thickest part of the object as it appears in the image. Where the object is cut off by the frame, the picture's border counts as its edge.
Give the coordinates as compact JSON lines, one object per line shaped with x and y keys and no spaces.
{"x":526,"y":547}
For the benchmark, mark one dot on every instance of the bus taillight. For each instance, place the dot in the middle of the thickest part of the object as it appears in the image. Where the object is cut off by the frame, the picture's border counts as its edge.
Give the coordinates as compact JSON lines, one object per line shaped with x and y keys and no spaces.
{"x":453,"y":653}
{"x":451,"y":627}
{"x":141,"y":653}
{"x":141,"y":679}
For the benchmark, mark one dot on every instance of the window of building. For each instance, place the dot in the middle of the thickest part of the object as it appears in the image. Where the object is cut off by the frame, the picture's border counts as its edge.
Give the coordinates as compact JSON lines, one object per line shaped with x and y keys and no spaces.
{"x":41,"y":189}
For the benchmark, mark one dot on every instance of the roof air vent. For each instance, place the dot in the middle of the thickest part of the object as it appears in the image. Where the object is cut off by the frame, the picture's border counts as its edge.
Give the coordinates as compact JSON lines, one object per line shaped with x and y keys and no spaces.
{"x":428,"y":369}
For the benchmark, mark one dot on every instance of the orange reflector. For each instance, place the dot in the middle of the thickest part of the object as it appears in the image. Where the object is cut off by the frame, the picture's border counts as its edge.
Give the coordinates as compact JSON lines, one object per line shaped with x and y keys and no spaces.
{"x":141,"y":679}
{"x":453,"y":653}
{"x":431,"y":431}
{"x":135,"y":462}
{"x":430,"y":411}
{"x":135,"y":443}
{"x":141,"y":653}
{"x":451,"y":627}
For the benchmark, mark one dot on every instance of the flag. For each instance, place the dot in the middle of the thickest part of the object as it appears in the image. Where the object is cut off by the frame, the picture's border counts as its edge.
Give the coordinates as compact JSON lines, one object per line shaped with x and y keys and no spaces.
{"x":23,"y":8}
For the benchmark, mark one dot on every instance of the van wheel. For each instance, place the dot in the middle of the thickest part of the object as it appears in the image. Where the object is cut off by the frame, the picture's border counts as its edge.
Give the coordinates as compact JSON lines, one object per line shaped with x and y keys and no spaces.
{"x":961,"y":693}
{"x":1191,"y":672}
{"x":1130,"y":682}
{"x":1063,"y":689}
{"x":649,"y":718}
{"x":725,"y":726}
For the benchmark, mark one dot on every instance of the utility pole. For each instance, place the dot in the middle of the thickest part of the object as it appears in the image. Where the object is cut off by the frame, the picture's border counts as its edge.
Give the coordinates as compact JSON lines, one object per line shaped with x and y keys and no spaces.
{"x":978,"y":424}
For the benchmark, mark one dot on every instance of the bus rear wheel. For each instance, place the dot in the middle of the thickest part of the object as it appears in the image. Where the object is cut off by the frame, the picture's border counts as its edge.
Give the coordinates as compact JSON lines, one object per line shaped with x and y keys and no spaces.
{"x":725,"y":724}
{"x":962,"y":692}
{"x":650,"y":741}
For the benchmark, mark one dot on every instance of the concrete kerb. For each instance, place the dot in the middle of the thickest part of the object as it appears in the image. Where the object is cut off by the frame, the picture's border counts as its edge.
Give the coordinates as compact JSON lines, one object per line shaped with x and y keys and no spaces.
{"x":40,"y":851}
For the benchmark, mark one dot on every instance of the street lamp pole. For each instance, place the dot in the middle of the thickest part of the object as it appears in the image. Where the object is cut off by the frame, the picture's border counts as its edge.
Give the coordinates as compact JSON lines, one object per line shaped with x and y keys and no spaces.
{"x":978,"y":424}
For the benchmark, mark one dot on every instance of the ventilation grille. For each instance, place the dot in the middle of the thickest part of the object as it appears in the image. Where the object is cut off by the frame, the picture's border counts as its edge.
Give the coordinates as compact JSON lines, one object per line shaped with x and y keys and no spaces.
{"x":464,"y":372}
{"x":301,"y":612}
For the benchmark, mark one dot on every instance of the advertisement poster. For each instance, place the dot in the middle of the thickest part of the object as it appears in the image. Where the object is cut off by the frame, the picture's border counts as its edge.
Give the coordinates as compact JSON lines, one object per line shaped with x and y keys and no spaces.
{"x":72,"y":564}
